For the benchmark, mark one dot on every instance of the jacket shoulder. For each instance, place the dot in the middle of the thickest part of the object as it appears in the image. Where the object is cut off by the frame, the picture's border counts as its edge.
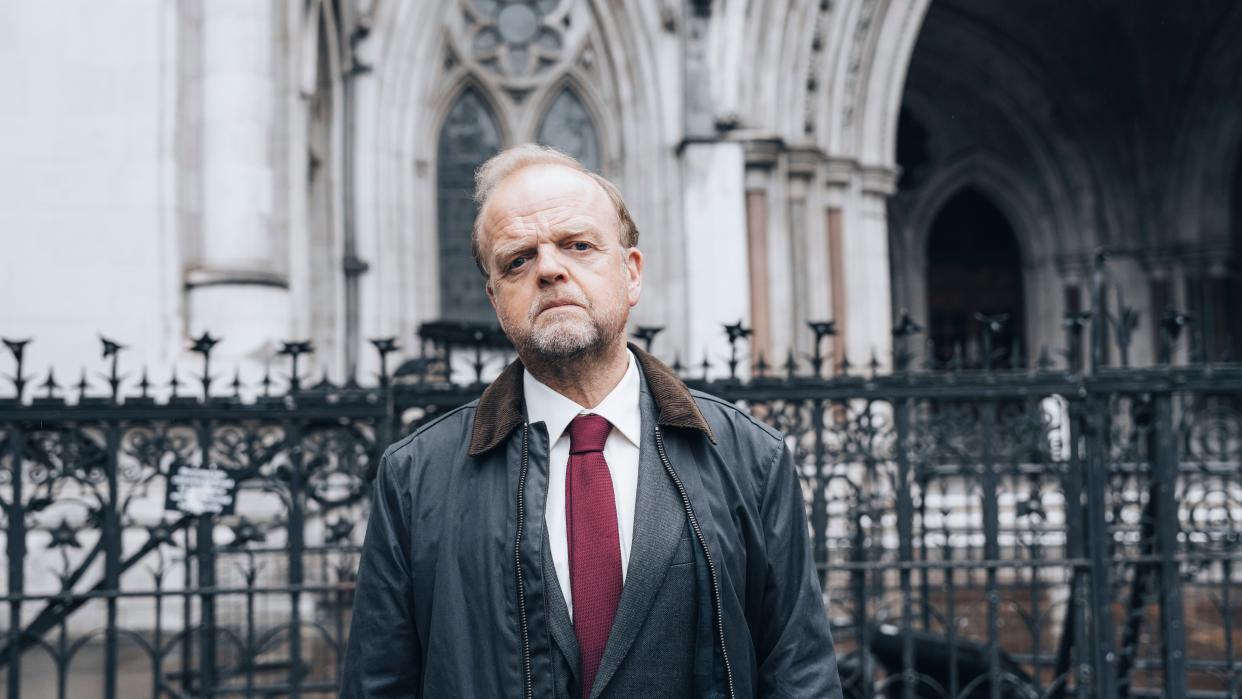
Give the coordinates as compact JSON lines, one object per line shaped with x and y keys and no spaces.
{"x":447,"y":426}
{"x":725,"y":416}
{"x":752,"y":448}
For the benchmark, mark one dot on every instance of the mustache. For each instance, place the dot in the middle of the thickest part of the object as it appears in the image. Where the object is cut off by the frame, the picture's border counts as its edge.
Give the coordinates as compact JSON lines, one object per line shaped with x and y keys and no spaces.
{"x":560,"y":299}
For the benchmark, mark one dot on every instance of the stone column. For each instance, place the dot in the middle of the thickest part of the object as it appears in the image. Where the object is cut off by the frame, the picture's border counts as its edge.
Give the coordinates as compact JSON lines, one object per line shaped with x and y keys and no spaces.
{"x":714,"y":205}
{"x":760,"y":159}
{"x":867,"y":283}
{"x":799,"y":310}
{"x":811,"y":244}
{"x":237,"y":279}
{"x":717,"y":270}
{"x":836,"y":279}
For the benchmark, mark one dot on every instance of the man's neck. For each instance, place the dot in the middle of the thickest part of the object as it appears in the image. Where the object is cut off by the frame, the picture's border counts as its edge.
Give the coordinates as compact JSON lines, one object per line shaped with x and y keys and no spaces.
{"x":586,"y":380}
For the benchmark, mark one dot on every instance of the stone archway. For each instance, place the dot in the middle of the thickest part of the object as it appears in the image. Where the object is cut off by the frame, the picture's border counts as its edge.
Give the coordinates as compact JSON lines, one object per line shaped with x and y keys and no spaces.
{"x":1094,"y":145}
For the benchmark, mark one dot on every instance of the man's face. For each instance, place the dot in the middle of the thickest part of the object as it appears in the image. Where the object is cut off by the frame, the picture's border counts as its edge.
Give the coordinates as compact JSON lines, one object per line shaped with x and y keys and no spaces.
{"x":560,"y":279}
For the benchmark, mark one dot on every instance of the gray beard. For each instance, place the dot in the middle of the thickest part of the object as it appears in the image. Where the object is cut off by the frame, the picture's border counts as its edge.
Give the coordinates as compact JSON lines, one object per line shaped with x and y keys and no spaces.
{"x":565,"y":343}
{"x":554,"y":345}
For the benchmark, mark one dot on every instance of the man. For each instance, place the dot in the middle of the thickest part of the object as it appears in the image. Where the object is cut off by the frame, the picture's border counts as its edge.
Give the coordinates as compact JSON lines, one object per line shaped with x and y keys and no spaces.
{"x":589,"y":527}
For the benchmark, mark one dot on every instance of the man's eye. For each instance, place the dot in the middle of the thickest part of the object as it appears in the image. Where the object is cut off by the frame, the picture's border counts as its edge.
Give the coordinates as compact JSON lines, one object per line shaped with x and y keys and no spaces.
{"x":516,"y":263}
{"x":581,"y":246}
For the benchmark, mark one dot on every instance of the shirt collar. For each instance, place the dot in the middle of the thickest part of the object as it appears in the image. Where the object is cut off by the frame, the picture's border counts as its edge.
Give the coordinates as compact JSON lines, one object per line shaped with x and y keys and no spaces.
{"x":619,"y":407}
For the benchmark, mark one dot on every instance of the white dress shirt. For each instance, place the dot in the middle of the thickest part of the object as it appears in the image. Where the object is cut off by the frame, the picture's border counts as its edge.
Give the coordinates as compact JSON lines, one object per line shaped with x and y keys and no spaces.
{"x":619,"y":407}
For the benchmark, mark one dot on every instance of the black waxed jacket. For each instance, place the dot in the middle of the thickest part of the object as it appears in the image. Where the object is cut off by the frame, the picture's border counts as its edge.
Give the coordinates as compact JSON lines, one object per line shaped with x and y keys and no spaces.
{"x":450,"y":588}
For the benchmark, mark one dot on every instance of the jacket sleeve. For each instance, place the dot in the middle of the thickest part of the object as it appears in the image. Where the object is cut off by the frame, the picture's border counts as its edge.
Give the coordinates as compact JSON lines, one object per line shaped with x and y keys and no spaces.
{"x":794,"y":646}
{"x":383,"y":658}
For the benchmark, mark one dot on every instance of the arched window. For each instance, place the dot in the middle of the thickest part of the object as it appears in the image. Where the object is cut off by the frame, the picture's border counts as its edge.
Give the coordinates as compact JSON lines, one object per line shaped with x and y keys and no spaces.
{"x":973,"y":266}
{"x":468,"y":138}
{"x":567,"y":126}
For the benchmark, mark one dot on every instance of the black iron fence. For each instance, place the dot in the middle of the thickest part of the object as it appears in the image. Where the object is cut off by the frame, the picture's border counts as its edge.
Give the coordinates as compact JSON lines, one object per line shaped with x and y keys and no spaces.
{"x":1053,"y":530}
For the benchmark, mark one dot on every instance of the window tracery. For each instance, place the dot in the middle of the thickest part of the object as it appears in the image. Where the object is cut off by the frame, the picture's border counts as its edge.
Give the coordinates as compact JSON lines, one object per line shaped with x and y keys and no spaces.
{"x":469,"y":136}
{"x":517,"y":38}
{"x":568,"y":127}
{"x":523,"y":62}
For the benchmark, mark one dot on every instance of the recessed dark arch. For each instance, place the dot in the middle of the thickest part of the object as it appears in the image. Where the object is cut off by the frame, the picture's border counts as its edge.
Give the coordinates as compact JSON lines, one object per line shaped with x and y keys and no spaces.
{"x":913,"y":149}
{"x":469,"y":136}
{"x":974,"y":265}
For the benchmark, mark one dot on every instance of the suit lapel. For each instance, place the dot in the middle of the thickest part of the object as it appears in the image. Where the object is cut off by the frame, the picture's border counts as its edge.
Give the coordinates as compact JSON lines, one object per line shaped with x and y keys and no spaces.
{"x":558,"y":612}
{"x":659,"y":523}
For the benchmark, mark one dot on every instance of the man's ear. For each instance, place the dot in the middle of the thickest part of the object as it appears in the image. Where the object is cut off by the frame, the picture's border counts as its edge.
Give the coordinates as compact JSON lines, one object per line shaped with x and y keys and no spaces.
{"x":634,"y":274}
{"x":491,"y":294}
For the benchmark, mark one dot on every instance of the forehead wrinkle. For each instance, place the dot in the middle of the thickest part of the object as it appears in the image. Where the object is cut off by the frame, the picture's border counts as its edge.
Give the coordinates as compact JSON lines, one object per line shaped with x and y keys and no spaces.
{"x":509,"y":242}
{"x":552,"y":221}
{"x":518,"y":208}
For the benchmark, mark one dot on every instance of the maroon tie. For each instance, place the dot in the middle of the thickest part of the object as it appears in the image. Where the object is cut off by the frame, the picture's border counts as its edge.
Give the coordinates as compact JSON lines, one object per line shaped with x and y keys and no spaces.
{"x":594,"y":545}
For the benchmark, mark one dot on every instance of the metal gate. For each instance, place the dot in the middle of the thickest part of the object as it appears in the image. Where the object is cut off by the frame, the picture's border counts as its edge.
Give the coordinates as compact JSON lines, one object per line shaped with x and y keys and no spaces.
{"x":1044,"y":530}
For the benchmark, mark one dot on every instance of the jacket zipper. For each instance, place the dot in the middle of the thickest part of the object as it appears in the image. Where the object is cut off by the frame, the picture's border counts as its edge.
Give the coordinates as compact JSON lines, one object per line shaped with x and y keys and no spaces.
{"x":528,"y":681}
{"x":711,"y":567}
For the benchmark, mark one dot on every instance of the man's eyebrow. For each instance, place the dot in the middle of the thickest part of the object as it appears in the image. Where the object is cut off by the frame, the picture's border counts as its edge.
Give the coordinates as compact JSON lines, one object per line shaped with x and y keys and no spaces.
{"x":574,"y":226}
{"x":502,"y":251}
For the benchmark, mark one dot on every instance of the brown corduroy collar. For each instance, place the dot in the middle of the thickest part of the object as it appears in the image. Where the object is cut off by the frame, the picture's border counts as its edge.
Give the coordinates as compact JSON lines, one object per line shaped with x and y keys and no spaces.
{"x":501,"y":410}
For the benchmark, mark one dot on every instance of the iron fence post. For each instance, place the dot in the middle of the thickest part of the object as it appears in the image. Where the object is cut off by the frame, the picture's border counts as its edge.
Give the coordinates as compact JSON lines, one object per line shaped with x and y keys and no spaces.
{"x":205,"y":555}
{"x":1072,"y":649}
{"x":905,"y":546}
{"x":16,"y":550}
{"x":1172,"y":627}
{"x":991,"y":545}
{"x":1102,"y":640}
{"x":1099,"y":315}
{"x":819,"y":504}
{"x":112,"y":559}
{"x":858,"y":587}
{"x":1076,"y":632}
{"x":296,"y":544}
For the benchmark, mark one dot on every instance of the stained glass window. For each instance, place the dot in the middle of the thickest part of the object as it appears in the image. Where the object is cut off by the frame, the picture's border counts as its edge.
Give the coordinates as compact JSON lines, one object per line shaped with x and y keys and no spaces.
{"x":568,"y":127}
{"x":468,"y":138}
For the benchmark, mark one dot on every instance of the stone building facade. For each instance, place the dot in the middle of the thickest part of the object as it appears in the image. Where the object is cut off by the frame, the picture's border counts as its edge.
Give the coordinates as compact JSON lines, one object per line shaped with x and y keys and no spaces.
{"x":276,"y":169}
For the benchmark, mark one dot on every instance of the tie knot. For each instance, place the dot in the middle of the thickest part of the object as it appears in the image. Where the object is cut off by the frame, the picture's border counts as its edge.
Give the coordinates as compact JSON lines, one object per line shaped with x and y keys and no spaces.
{"x":587,"y":433}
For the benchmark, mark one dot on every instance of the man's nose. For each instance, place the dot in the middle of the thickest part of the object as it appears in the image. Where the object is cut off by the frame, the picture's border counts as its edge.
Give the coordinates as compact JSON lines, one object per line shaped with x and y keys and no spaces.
{"x":549,"y":264}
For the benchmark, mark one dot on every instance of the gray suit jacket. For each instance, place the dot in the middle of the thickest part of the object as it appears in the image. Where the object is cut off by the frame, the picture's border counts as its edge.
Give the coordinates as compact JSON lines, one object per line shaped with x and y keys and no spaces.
{"x":651,"y":647}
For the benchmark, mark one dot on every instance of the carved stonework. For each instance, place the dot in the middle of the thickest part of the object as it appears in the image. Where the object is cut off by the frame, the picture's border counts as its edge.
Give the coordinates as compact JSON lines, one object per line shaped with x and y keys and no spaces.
{"x":811,"y":104}
{"x":533,"y":71}
{"x":517,"y":41}
{"x":853,"y":67}
{"x":567,"y":126}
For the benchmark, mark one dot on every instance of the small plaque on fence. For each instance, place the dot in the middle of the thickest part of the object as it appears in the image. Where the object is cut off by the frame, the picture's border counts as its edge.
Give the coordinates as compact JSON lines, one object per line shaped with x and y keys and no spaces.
{"x":199,"y":491}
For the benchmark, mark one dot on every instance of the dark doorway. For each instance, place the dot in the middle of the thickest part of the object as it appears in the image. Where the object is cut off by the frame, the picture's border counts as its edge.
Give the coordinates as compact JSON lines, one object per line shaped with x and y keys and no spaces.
{"x":973,"y":266}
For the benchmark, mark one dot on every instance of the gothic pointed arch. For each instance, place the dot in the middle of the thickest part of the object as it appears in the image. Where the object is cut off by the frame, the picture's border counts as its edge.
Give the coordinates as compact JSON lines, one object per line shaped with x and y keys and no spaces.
{"x":424,"y":58}
{"x":469,"y":136}
{"x":974,"y":266}
{"x":568,"y":125}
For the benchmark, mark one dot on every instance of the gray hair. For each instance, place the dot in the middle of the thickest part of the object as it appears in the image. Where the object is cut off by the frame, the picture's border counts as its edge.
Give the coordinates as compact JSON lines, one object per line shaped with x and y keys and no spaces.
{"x":509,"y":161}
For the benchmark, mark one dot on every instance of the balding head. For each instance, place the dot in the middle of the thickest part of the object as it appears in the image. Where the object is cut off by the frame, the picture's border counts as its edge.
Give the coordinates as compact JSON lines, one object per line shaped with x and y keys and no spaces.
{"x":511,"y":161}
